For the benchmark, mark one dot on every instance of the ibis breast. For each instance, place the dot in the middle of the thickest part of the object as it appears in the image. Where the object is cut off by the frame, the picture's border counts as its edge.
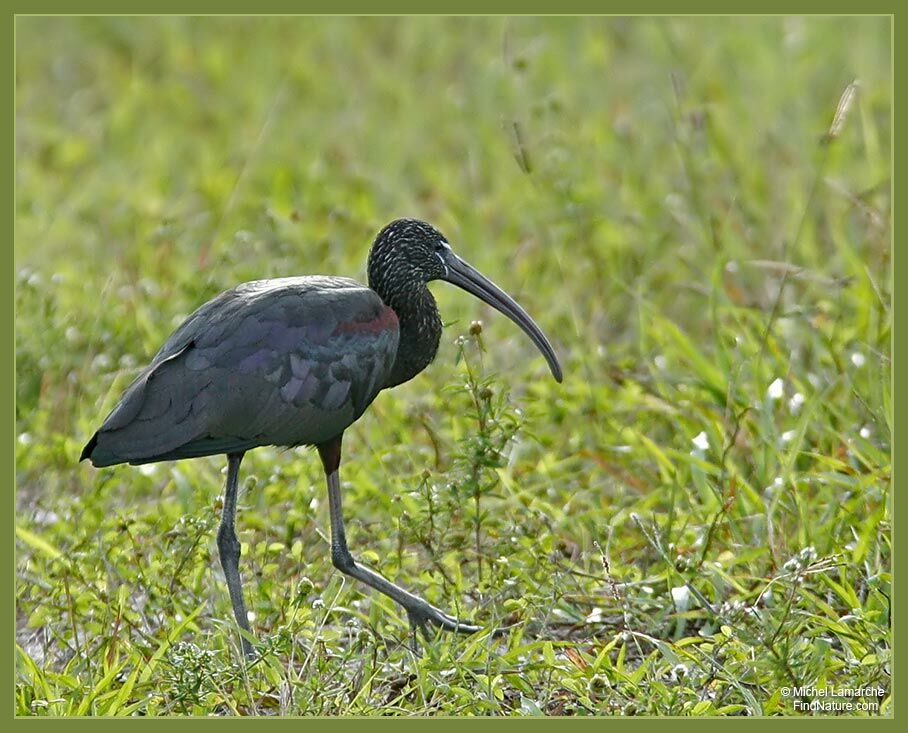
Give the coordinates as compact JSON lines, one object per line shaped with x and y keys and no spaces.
{"x":286,"y":362}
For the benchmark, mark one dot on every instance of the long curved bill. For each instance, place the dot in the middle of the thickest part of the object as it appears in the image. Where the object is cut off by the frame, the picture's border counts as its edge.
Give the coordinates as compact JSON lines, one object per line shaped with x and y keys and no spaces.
{"x":465,"y":276}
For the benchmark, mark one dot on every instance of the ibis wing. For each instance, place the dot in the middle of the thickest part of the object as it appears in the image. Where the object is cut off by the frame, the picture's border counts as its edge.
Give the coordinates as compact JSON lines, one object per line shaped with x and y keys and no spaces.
{"x":275,"y":362}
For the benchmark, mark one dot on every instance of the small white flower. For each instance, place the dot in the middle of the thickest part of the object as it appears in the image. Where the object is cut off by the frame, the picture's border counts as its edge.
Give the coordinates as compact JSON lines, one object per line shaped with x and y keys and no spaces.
{"x":774,"y":486}
{"x":595,"y":616}
{"x":661,"y":362}
{"x":681,"y":597}
{"x":148,"y":469}
{"x":787,"y":436}
{"x":701,"y":442}
{"x":776,"y":389}
{"x":25,"y":438}
{"x":865,"y":432}
{"x":858,"y":359}
{"x":796,"y":403}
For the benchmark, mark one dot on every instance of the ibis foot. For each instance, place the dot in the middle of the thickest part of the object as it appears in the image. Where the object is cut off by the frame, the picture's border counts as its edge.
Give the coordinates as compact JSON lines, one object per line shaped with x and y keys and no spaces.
{"x":422,"y":614}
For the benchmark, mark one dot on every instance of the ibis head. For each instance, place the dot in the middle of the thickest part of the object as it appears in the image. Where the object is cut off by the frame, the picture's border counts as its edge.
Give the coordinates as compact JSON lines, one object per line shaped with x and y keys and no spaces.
{"x":409,"y":253}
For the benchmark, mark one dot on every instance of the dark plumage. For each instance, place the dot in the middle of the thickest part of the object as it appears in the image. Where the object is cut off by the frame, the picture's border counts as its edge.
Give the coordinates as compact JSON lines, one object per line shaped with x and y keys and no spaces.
{"x":295,"y":361}
{"x":285,"y":362}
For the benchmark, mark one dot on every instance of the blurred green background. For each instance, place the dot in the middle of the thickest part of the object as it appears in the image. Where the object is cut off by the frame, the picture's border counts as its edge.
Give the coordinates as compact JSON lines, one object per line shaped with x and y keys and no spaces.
{"x":697,"y":517}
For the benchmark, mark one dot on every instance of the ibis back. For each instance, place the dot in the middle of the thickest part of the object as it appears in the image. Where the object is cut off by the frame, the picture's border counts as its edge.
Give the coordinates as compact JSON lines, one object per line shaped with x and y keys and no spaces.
{"x":289,"y":361}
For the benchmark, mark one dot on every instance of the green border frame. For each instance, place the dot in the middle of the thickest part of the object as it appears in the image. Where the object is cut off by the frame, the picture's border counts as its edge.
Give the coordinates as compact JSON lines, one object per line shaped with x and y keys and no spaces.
{"x":285,"y":7}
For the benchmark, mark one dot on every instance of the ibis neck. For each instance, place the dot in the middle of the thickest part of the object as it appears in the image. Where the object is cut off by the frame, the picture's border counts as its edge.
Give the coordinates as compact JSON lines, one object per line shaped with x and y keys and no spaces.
{"x":420,"y":332}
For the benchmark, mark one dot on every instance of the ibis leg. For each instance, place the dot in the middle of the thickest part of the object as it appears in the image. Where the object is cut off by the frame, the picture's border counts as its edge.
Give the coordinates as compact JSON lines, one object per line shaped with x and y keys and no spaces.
{"x":229,"y":549}
{"x":419,"y":612}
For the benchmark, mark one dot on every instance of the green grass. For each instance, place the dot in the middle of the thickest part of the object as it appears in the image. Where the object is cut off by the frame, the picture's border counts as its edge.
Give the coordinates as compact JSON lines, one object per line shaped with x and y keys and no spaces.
{"x":696,"y":519}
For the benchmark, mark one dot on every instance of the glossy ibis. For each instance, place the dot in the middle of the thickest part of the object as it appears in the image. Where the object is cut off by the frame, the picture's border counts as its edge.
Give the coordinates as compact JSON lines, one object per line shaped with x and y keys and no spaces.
{"x":295,"y":361}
